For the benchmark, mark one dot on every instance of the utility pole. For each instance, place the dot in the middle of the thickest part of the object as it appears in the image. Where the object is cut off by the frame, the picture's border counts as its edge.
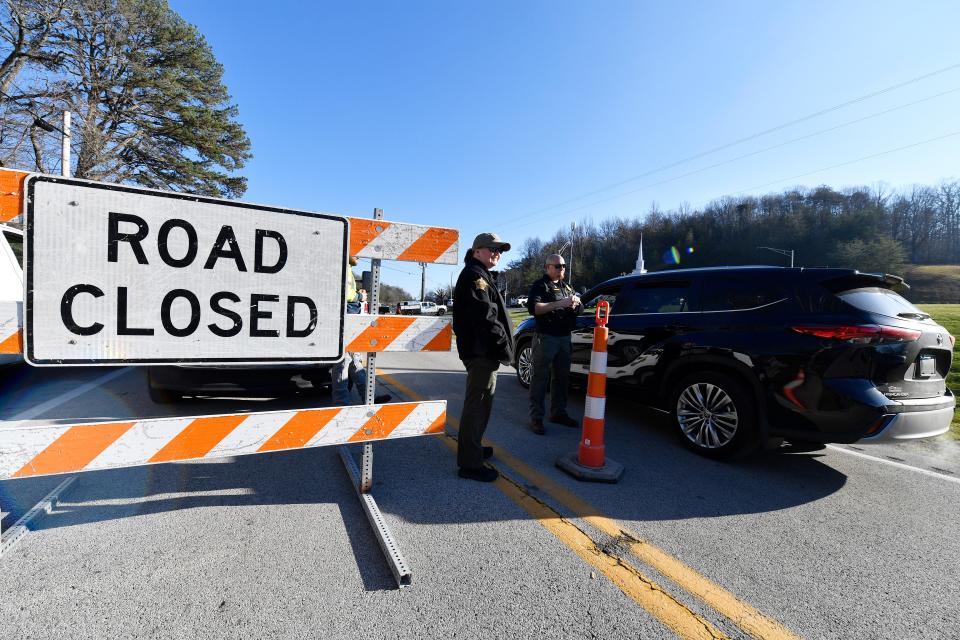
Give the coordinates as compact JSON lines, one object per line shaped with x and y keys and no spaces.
{"x":570,"y":262}
{"x":65,"y":149}
{"x":423,"y":281}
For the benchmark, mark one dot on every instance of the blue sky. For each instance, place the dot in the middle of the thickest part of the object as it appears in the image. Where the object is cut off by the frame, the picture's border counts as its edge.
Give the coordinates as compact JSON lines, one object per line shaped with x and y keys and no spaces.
{"x":502,"y":115}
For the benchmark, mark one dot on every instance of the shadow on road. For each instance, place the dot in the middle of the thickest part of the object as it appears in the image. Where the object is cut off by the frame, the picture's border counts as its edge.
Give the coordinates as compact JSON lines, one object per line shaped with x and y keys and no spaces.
{"x":416,"y":478}
{"x":313,"y":476}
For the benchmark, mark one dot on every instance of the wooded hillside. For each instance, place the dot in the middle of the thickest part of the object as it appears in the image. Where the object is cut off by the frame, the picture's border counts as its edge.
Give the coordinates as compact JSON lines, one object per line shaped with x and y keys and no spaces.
{"x":863,"y":228}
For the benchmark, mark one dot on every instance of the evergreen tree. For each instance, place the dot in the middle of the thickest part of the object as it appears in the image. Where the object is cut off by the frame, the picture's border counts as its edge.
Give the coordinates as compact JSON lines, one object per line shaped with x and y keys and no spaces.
{"x":146,"y":93}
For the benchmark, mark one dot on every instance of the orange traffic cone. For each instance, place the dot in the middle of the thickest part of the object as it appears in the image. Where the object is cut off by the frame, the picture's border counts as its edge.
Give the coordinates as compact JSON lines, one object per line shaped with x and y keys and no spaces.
{"x":590,"y":462}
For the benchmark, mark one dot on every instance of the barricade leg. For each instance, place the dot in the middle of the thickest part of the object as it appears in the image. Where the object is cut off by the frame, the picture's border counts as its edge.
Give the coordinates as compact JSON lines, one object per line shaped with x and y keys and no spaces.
{"x":398,"y":565}
{"x":11,"y":536}
{"x":362,"y":480}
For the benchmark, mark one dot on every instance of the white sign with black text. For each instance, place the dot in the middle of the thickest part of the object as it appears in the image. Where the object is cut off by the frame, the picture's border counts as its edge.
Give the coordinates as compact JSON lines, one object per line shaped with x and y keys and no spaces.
{"x":124,"y":275}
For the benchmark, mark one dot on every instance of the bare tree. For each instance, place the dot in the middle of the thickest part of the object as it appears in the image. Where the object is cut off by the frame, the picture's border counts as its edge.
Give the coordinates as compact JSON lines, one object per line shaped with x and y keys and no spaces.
{"x":26,"y":30}
{"x":28,"y":33}
{"x":948,"y":220}
{"x":440,"y":295}
{"x":145,"y":90}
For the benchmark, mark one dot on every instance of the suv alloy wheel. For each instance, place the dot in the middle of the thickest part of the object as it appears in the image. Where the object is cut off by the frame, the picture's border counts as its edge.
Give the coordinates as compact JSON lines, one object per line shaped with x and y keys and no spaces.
{"x":525,"y":363}
{"x":715,"y":415}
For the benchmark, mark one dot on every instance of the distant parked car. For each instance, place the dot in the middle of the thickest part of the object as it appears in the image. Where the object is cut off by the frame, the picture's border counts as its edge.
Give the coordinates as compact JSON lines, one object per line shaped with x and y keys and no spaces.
{"x":739,"y":355}
{"x":11,"y":284}
{"x":522,"y":301}
{"x":432,"y":309}
{"x":418,"y":308}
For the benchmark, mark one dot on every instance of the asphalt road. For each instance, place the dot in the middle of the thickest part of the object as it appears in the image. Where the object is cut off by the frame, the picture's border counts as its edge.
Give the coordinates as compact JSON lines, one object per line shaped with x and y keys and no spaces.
{"x":838,"y":543}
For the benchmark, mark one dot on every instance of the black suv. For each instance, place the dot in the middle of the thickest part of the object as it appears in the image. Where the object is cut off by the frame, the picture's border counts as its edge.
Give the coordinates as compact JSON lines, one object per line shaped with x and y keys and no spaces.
{"x":740,"y":355}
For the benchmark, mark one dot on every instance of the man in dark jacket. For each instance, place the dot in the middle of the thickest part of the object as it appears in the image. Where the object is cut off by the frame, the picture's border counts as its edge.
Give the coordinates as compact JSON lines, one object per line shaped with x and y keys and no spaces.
{"x":484,"y":340}
{"x":555,"y":306}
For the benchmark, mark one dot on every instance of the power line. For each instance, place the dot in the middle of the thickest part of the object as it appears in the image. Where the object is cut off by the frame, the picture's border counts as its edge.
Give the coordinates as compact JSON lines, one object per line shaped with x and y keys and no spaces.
{"x":843,"y":164}
{"x":409,"y":273}
{"x":39,"y":120}
{"x":747,"y":155}
{"x":872,"y":94}
{"x":869,"y":157}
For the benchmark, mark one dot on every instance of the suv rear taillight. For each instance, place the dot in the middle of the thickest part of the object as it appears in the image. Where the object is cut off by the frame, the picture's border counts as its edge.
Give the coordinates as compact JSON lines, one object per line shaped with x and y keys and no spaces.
{"x":861,"y":333}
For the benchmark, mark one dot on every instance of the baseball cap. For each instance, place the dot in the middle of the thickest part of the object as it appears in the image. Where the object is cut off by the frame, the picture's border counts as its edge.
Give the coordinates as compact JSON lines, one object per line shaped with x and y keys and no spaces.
{"x":490,"y":240}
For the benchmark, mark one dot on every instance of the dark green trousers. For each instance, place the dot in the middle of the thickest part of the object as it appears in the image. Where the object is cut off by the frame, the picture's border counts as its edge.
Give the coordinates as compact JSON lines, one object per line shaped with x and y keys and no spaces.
{"x":551,"y":366}
{"x":477,"y":403}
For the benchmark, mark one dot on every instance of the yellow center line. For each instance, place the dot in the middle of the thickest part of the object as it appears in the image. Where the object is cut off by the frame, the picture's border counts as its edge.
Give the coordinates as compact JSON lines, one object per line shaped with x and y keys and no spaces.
{"x":746,"y":617}
{"x":641,"y":589}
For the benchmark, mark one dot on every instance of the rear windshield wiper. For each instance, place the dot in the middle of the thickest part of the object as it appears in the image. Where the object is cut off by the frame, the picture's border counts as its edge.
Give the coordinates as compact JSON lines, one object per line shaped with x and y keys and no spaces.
{"x":914,"y":315}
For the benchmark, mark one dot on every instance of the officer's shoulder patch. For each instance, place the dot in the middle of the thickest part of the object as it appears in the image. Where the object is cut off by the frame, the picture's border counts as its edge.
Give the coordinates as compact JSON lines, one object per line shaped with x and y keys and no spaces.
{"x":481,"y":284}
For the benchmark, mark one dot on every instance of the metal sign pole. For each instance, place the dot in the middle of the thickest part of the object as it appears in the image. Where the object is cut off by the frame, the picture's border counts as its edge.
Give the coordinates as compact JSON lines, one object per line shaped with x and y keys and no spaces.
{"x":373,"y":298}
{"x":362,"y":480}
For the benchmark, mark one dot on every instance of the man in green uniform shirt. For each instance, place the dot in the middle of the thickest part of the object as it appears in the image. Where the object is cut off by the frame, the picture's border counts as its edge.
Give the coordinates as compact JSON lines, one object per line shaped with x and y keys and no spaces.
{"x":555,"y":305}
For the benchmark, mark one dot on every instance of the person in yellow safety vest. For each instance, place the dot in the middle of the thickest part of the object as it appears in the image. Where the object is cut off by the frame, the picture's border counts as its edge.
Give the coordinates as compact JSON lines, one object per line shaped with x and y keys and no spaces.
{"x":350,"y":368}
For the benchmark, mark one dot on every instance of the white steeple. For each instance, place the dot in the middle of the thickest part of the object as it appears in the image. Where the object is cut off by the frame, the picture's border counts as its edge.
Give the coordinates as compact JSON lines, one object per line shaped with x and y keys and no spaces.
{"x":640,"y":268}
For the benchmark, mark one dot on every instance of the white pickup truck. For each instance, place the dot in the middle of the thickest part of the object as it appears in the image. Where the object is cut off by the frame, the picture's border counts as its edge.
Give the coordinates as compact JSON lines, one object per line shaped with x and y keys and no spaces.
{"x":419,"y":308}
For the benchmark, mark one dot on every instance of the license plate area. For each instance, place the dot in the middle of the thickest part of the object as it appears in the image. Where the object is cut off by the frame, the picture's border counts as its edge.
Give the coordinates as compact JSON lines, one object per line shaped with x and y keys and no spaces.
{"x":928,"y":366}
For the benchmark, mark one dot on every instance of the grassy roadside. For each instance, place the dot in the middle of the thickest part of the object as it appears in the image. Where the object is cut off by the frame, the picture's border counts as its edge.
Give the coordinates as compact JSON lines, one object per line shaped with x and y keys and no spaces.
{"x":932,"y":283}
{"x":948,"y":315}
{"x":519,"y":315}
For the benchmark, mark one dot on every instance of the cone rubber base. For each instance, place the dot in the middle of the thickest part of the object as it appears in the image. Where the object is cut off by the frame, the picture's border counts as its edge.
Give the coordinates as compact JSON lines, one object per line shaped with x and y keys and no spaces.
{"x":609,"y":472}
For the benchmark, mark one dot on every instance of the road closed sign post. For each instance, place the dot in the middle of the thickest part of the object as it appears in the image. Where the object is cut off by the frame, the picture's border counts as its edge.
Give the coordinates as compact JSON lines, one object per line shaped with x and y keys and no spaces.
{"x":123,"y":275}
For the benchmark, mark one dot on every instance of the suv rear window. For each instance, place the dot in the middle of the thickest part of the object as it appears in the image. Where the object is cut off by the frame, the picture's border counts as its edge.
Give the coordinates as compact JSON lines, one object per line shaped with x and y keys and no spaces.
{"x":733,"y":293}
{"x":879,"y":300}
{"x":655,"y":297}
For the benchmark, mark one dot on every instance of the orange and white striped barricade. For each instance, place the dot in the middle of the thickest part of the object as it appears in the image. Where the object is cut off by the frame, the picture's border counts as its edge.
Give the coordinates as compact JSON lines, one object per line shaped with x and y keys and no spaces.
{"x":361,"y":332}
{"x":11,"y":194}
{"x":589,"y":462}
{"x":36,"y":450}
{"x":369,"y":238}
{"x":11,"y":319}
{"x":168,"y":246}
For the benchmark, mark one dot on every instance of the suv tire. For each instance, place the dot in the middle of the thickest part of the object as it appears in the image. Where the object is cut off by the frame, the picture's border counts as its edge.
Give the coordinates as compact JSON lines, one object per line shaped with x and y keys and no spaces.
{"x":159,"y":395}
{"x":715,"y":415}
{"x":525,"y":363}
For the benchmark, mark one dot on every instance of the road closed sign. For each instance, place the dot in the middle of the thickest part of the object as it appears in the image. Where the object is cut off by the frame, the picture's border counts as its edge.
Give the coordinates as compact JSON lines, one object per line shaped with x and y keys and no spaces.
{"x":123,"y":275}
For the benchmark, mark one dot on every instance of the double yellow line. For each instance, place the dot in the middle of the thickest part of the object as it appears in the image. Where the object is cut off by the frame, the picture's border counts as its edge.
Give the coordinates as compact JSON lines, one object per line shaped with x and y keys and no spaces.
{"x":643,"y":590}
